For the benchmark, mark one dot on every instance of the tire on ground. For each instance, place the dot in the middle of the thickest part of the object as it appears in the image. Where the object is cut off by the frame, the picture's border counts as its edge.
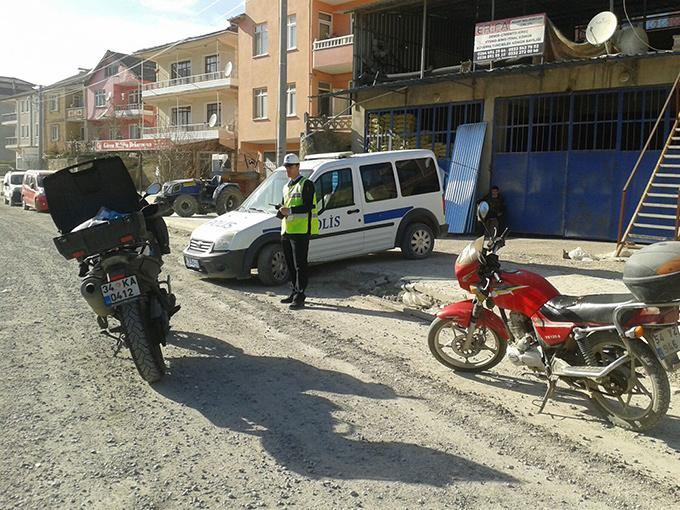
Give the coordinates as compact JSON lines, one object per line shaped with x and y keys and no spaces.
{"x":417,"y":241}
{"x":185,"y":205}
{"x":272,"y":269}
{"x":228,"y":200}
{"x":145,"y":352}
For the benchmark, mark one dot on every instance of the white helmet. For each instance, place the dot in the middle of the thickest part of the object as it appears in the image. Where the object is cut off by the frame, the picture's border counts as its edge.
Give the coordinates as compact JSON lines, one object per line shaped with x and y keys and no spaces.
{"x":291,"y":159}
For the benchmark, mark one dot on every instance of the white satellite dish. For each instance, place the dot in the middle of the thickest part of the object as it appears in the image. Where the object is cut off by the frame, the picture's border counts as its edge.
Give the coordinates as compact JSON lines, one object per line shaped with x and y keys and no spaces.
{"x":601,"y":28}
{"x":228,"y":69}
{"x":108,"y":96}
{"x":212,"y":120}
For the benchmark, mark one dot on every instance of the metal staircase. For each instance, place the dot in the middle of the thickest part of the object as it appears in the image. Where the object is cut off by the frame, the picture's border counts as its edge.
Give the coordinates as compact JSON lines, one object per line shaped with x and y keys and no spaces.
{"x":657,"y":215}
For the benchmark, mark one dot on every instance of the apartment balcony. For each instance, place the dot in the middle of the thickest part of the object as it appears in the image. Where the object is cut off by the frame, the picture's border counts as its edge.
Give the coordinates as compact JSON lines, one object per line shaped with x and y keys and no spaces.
{"x":189,"y":84}
{"x":338,"y":124}
{"x":191,"y":133}
{"x":8,"y":119}
{"x":75,"y":114}
{"x":133,"y":110}
{"x":10,"y":142}
{"x":335,"y":55}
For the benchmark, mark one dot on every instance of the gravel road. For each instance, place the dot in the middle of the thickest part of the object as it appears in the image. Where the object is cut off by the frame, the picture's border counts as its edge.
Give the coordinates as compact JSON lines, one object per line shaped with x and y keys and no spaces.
{"x":337,"y":406}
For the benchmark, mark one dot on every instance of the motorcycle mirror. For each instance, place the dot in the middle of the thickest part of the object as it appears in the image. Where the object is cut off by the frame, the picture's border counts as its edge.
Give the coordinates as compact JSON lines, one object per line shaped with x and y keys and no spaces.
{"x":482,"y":211}
{"x":153,"y":189}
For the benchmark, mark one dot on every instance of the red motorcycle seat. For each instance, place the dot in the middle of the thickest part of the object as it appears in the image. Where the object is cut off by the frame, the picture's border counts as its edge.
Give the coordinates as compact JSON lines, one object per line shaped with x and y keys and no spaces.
{"x":597,"y":308}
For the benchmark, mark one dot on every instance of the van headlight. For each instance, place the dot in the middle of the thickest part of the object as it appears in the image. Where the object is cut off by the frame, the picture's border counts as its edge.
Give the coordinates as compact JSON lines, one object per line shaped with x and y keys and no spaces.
{"x":222,"y":244}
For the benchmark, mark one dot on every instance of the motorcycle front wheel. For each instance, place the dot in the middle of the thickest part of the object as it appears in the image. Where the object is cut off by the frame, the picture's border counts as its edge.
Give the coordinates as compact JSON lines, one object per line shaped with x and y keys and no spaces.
{"x":636,"y":395}
{"x":146,"y":353}
{"x":446,"y":341}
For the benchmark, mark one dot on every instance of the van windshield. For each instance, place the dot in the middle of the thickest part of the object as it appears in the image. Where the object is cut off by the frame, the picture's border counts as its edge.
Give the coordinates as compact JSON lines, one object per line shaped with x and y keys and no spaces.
{"x":40,"y":178}
{"x":269,"y":193}
{"x":16,"y":178}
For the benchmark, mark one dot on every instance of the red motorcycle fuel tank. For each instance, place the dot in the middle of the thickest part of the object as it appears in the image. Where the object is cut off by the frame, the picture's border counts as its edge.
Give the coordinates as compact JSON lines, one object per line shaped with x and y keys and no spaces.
{"x":523,"y":291}
{"x":467,"y":264}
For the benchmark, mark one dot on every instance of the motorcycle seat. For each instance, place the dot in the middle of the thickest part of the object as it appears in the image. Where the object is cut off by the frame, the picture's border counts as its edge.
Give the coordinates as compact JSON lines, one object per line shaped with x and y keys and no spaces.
{"x":598,"y":308}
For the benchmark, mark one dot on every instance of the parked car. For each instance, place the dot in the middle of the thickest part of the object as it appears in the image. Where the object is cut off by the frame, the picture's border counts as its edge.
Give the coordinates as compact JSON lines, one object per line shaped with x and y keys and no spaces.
{"x":191,"y":196}
{"x":11,"y":187}
{"x":32,"y":192}
{"x":366,"y":203}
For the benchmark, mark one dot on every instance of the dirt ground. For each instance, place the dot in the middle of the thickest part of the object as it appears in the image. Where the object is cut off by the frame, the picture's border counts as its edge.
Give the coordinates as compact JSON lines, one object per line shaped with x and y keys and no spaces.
{"x":337,"y":406}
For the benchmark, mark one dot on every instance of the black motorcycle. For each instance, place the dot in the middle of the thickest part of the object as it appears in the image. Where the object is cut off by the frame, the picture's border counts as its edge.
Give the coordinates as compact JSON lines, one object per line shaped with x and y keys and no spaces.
{"x":118,"y":239}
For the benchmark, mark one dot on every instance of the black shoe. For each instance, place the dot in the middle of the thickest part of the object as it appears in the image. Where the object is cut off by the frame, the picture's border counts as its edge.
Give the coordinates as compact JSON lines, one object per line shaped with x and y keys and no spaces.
{"x":289,"y":299}
{"x":296,"y":305}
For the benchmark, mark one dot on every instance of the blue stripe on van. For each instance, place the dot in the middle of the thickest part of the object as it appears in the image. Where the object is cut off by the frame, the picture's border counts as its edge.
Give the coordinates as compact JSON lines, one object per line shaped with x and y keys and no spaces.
{"x":386,"y":215}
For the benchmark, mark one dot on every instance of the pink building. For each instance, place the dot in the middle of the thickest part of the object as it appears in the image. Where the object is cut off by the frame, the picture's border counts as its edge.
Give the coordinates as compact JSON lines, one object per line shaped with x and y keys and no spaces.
{"x":113,"y":98}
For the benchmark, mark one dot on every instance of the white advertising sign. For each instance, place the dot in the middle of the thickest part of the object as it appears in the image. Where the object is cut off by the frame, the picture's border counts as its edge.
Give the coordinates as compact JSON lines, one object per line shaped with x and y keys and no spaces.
{"x":510,"y":38}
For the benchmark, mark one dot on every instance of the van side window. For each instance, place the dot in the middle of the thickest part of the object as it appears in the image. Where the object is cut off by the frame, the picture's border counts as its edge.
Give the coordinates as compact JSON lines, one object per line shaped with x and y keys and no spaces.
{"x":335,"y":189}
{"x":378,"y":181}
{"x":417,"y":176}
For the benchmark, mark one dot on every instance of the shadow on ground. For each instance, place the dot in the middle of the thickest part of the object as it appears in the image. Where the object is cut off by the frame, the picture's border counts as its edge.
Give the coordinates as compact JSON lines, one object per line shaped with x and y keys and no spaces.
{"x":284,"y":402}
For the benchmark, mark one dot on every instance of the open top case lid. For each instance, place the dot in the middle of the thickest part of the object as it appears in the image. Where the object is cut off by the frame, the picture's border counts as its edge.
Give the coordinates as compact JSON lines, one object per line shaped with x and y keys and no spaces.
{"x":76,"y":193}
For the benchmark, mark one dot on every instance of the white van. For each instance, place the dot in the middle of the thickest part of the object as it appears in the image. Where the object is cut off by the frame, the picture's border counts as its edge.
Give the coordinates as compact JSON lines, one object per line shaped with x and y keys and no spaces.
{"x":11,"y":187}
{"x":366,"y":202}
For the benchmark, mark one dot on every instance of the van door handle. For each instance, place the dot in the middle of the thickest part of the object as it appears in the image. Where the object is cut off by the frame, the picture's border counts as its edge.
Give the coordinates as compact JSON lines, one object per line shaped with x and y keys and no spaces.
{"x":353,"y":211}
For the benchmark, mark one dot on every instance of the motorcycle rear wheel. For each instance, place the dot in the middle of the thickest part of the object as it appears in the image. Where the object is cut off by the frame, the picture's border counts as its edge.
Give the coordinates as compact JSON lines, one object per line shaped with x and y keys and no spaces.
{"x":634,"y":403}
{"x":450,"y":353}
{"x":146,"y":353}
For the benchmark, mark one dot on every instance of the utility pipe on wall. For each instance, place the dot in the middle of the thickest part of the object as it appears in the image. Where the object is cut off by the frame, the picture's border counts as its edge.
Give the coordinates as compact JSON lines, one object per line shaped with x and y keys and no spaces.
{"x":283,"y":81}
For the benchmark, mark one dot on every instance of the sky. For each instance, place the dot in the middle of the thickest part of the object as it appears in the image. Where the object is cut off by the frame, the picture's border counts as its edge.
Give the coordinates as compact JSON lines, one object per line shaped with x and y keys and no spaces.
{"x":44,"y":41}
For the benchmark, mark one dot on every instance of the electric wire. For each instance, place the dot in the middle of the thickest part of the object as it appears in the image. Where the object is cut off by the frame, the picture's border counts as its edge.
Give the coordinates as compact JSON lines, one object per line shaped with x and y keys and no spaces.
{"x":625,"y":11}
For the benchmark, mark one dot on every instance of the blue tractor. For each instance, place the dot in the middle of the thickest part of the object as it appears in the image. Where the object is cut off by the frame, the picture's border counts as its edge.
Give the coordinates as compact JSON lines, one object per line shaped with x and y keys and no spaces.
{"x":187,"y":197}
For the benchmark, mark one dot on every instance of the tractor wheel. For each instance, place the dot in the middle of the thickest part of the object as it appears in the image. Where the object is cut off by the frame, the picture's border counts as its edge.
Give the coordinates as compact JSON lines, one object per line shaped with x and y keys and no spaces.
{"x":228,"y":200}
{"x":185,"y":205}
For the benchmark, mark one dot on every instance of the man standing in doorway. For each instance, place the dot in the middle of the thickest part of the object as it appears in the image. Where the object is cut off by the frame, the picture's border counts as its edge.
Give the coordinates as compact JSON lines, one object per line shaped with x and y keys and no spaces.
{"x":300,"y":222}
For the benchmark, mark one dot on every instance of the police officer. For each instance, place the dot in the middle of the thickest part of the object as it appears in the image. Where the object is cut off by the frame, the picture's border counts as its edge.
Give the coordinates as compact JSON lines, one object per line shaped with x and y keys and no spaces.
{"x":299,"y":223}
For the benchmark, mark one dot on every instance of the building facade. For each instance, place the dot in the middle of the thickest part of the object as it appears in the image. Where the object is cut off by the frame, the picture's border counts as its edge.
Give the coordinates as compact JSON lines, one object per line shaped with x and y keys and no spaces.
{"x":26,"y":137}
{"x":319,"y":61}
{"x":195,"y":96}
{"x":8,"y":114}
{"x":563,"y":128}
{"x":64,"y":114}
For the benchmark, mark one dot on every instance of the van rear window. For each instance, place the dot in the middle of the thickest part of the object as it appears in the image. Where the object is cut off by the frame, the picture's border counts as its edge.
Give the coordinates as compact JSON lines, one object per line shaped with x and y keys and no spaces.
{"x":417,"y":176}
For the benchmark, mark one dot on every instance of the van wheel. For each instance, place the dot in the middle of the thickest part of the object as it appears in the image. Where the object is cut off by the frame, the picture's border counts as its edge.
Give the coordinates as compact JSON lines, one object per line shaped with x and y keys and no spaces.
{"x":418,"y":241}
{"x":185,"y":205}
{"x":272,"y":269}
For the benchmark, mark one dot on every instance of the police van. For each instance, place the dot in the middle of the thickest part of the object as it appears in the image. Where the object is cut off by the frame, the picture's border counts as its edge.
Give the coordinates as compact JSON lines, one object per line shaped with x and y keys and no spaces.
{"x":366,"y":203}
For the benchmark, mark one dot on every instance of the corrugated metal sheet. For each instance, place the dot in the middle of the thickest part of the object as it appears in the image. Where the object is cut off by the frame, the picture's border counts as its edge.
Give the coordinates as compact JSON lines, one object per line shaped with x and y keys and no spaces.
{"x":461,"y":186}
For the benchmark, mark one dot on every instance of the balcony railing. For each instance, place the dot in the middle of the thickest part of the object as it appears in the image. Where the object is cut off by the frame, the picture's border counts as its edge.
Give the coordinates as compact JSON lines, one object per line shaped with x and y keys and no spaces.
{"x":10,"y":141}
{"x":340,"y":123}
{"x":334,"y":42}
{"x":133,"y":109}
{"x":188,"y":80}
{"x":8,"y":117}
{"x":75,"y":113}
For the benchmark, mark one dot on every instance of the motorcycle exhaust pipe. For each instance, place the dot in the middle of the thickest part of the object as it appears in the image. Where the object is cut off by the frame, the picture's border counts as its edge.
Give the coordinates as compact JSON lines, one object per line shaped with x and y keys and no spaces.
{"x":587,"y":372}
{"x":90,"y":289}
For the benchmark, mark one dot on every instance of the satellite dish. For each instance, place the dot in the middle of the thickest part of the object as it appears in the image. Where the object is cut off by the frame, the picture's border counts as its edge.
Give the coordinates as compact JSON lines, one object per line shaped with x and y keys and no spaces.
{"x":228,"y":69}
{"x":212,"y":120}
{"x":108,"y":96}
{"x":631,"y":40}
{"x":601,"y":28}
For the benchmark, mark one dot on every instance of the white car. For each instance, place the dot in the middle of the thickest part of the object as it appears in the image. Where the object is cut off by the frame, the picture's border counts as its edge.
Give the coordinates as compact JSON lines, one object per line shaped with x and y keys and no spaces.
{"x":367,"y":203}
{"x":11,"y":187}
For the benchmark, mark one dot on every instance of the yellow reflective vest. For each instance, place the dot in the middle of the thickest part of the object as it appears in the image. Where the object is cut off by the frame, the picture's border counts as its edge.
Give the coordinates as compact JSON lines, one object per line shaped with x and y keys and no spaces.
{"x":298,"y":223}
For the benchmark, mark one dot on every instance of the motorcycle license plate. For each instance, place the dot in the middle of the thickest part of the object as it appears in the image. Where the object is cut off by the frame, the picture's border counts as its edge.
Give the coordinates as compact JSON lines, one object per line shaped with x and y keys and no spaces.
{"x":667,"y":341}
{"x":192,"y":263}
{"x":120,"y":290}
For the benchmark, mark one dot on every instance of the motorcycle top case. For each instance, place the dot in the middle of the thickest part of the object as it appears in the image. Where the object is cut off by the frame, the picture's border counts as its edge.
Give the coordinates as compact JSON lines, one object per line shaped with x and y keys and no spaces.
{"x":653,"y":273}
{"x":76,"y":193}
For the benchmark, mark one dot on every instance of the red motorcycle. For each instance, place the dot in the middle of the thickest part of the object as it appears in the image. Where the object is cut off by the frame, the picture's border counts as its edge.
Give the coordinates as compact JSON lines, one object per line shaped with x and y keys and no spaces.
{"x":617,"y":348}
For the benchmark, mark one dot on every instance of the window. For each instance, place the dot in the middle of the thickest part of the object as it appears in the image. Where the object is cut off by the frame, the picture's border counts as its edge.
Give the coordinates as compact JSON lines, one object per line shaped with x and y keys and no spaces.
{"x":325,"y":25}
{"x":595,"y":121}
{"x":36,"y":132}
{"x":260,"y":103}
{"x":290,"y":100}
{"x":214,"y":109}
{"x":417,"y":176}
{"x":334,"y":189}
{"x":100,"y":98}
{"x":134,"y":131}
{"x":54,"y":133}
{"x":110,"y":70}
{"x":550,"y":124}
{"x":181,"y":116}
{"x":24,"y":131}
{"x":292,"y":32}
{"x":212,"y":63}
{"x":54,"y":103}
{"x":378,"y":181}
{"x":325,"y":103}
{"x":261,"y":41}
{"x":134,"y":97}
{"x":512,"y":131}
{"x":180,"y":69}
{"x":77,"y":101}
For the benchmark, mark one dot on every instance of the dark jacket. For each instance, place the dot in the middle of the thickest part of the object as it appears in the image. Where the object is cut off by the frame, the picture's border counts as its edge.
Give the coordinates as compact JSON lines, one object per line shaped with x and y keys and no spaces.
{"x":496,"y":206}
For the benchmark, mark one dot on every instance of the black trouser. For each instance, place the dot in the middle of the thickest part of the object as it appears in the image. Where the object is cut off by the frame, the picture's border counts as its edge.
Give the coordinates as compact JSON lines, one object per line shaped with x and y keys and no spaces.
{"x":295,"y":249}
